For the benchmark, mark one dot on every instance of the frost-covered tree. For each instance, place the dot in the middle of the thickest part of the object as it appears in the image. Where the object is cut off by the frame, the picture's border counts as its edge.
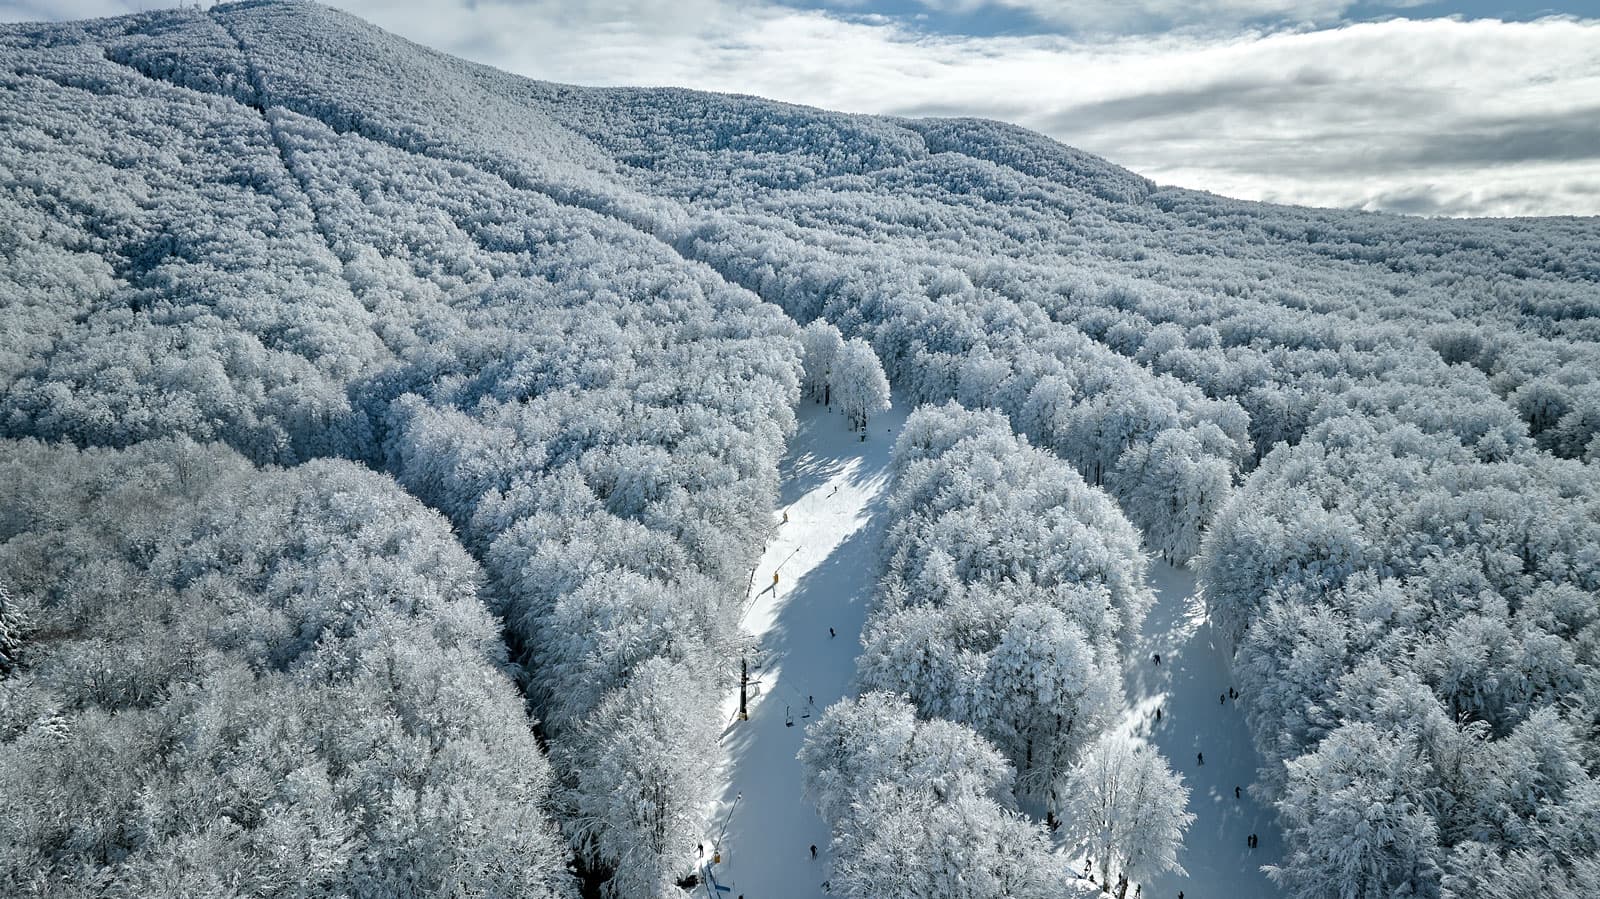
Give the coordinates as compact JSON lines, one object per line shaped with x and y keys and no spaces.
{"x":1010,"y":589}
{"x":1443,"y":617}
{"x":1359,"y":827}
{"x":859,"y":381}
{"x":552,"y":315}
{"x":642,"y":762}
{"x":922,"y":809}
{"x":1045,"y":695}
{"x":257,"y":680}
{"x":824,"y":355}
{"x":1127,"y":809}
{"x":12,"y":626}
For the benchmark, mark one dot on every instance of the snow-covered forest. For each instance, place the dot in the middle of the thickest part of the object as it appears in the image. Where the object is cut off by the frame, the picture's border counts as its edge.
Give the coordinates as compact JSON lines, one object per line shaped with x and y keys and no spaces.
{"x":390,"y":444}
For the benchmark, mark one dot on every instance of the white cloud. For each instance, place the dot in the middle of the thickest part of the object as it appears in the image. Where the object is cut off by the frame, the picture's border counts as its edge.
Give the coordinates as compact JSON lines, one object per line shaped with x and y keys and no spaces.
{"x":1124,"y":16}
{"x":1443,"y":116}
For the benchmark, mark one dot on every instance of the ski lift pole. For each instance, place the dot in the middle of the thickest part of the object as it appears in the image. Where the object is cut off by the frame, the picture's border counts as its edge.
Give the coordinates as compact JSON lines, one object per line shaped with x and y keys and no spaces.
{"x":729,"y":817}
{"x":744,"y":686}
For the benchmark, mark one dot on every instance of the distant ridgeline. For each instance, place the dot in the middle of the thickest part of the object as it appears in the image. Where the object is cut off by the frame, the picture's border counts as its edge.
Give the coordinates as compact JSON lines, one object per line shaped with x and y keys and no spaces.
{"x":565,"y":319}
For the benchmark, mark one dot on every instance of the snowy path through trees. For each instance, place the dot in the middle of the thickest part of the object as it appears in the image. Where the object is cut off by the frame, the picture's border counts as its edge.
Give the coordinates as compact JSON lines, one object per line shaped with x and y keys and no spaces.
{"x":1186,"y":687}
{"x":833,"y":487}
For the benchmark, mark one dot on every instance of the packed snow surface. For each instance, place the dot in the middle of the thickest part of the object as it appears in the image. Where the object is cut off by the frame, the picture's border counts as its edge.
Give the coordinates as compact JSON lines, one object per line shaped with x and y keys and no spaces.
{"x":1190,"y":687}
{"x":825,"y":556}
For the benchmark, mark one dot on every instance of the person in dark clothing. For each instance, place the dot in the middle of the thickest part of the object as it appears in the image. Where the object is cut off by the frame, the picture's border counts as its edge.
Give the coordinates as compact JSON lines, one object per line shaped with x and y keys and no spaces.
{"x":1200,"y":757}
{"x":1232,"y":693}
{"x":1236,"y":792}
{"x":1158,"y":658}
{"x":1158,"y":714}
{"x":1222,"y":699}
{"x":831,"y":633}
{"x":813,"y":850}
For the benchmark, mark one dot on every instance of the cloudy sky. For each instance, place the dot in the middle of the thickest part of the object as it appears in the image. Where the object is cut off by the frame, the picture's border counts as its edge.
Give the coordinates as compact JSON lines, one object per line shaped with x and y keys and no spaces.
{"x":1473,"y":107}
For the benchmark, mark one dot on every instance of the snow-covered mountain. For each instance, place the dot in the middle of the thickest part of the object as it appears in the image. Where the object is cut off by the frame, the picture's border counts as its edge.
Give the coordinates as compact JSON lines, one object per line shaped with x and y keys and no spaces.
{"x":358,"y":401}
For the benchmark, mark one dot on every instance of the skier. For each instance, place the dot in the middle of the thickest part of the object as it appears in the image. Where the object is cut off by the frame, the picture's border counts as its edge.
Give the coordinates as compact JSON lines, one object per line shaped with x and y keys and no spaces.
{"x":813,"y":850}
{"x":831,"y":633}
{"x":785,"y":517}
{"x":1236,"y":792}
{"x":700,"y":848}
{"x":1232,"y":693}
{"x":1222,"y":699}
{"x":1200,"y":757}
{"x":774,"y":582}
{"x":1158,"y":658}
{"x":1158,"y":715}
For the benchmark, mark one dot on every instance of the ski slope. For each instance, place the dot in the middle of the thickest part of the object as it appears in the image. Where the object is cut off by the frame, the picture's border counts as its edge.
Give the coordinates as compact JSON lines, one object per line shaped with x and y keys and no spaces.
{"x":834,"y":487}
{"x":1186,"y":686}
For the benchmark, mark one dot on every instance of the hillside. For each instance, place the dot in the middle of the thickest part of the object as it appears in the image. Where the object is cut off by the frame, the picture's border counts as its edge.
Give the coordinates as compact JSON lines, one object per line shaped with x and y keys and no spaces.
{"x":389,"y":443}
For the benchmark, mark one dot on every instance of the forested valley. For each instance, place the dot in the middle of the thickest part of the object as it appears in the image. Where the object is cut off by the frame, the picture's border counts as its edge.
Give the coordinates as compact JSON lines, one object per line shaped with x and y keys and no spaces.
{"x":388,"y":444}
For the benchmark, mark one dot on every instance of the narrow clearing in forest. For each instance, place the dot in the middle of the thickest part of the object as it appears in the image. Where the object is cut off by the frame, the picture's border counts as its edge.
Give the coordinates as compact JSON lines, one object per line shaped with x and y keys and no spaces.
{"x":1190,"y":686}
{"x":825,"y":555}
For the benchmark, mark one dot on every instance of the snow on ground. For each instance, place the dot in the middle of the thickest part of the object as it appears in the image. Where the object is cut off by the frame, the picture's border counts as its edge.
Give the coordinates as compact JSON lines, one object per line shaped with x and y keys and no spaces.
{"x":1187,"y":686}
{"x":834,"y":487}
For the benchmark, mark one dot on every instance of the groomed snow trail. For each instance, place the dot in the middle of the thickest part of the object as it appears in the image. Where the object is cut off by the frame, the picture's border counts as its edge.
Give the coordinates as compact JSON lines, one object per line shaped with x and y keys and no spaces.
{"x":1190,"y":686}
{"x":834,"y":488}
